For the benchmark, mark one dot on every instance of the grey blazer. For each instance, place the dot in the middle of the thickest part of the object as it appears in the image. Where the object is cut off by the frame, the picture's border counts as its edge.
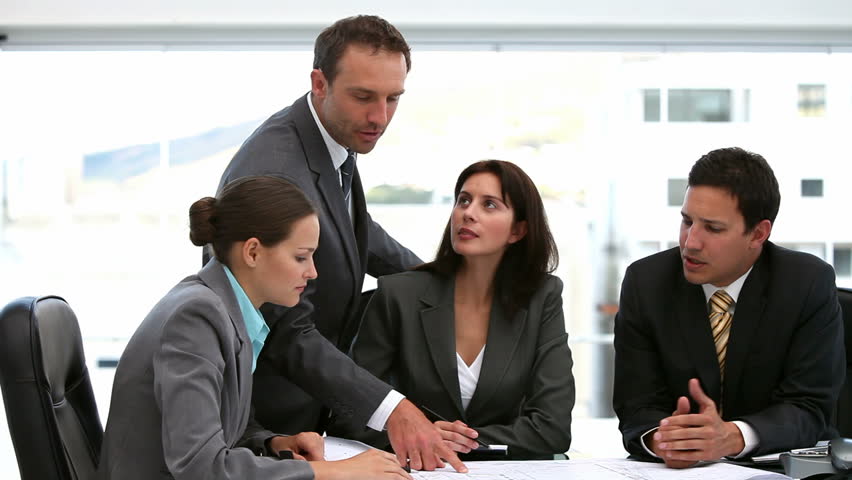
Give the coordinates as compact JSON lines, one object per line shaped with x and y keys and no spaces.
{"x":181,"y":399}
{"x":289,"y":145}
{"x":525,"y":392}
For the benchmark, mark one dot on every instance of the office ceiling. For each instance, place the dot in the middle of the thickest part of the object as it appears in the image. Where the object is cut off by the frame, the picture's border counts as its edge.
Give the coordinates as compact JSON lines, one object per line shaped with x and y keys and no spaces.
{"x":665,"y":24}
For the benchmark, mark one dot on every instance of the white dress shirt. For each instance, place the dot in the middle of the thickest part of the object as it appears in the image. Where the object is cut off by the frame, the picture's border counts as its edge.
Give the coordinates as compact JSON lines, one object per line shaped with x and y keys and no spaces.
{"x":468,"y":376}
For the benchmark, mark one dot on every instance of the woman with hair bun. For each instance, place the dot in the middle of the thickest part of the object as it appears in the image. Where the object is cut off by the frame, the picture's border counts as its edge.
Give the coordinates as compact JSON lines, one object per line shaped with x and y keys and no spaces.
{"x":181,"y":399}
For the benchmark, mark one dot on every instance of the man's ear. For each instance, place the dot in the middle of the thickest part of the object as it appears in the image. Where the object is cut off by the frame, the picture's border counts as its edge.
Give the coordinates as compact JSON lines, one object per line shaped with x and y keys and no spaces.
{"x":760,"y":233}
{"x":519,"y":231}
{"x":319,"y":84}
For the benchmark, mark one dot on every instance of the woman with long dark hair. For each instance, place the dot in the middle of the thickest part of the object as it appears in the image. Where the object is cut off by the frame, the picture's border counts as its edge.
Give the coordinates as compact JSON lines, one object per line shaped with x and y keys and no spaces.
{"x":478,"y":335}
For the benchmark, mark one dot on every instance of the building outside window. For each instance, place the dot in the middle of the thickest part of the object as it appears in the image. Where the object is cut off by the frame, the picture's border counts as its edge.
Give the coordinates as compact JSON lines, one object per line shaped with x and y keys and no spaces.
{"x":651,"y":97}
{"x":699,"y":105}
{"x":811,"y":100}
{"x":843,"y":260}
{"x":812,"y":187}
{"x":676,"y":191}
{"x":696,"y":105}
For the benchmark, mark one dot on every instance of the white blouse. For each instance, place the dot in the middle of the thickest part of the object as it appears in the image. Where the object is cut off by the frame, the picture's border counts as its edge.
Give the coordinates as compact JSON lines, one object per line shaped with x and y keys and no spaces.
{"x":468,"y":376}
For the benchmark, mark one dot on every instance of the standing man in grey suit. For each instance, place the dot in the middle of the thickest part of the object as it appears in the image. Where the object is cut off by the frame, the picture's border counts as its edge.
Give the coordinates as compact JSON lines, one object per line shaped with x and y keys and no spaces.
{"x":359,"y":71}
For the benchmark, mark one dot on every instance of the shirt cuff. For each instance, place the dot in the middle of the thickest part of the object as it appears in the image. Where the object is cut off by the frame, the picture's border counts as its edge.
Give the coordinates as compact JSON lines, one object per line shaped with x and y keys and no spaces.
{"x":267,"y":446}
{"x":750,"y":438}
{"x":380,"y":417}
{"x":645,"y":445}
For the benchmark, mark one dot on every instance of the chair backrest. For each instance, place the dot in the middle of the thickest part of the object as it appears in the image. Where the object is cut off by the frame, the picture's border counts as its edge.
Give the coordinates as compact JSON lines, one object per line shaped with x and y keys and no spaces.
{"x":844,"y":404}
{"x":50,"y":406}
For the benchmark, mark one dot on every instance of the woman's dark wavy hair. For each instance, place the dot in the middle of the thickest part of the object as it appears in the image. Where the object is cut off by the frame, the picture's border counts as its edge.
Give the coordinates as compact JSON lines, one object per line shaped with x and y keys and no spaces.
{"x":526,"y":262}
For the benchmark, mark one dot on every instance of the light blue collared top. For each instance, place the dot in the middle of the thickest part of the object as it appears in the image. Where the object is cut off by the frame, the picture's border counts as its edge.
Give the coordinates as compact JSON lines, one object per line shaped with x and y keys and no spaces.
{"x":255,"y":324}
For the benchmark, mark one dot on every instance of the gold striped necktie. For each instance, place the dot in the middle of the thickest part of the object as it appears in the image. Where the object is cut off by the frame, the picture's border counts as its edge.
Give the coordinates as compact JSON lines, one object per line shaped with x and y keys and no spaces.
{"x":720,"y":323}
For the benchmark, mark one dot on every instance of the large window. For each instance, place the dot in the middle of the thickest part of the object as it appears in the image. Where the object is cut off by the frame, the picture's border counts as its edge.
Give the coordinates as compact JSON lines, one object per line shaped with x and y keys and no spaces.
{"x":103,"y":152}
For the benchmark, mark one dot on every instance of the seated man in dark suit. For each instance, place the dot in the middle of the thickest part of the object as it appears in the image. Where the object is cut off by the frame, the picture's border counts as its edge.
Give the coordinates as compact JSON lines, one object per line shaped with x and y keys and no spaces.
{"x":729,"y":345}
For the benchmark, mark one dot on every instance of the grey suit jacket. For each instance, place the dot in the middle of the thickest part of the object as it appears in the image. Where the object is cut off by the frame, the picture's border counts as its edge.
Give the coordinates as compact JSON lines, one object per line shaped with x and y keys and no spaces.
{"x":785,"y":360}
{"x":181,"y":399}
{"x":525,"y":392}
{"x":291,"y":382}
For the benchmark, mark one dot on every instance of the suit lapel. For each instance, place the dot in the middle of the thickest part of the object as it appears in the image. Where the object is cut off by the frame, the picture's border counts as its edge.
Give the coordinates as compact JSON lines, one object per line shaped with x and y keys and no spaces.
{"x":438,"y":320}
{"x":326,"y":179}
{"x":748,"y":316}
{"x":213,"y":275}
{"x":504,"y":333}
{"x":691,"y":316}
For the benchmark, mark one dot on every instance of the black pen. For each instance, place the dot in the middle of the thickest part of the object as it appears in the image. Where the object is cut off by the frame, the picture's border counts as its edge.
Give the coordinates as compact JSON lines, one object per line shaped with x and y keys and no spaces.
{"x":435,"y":415}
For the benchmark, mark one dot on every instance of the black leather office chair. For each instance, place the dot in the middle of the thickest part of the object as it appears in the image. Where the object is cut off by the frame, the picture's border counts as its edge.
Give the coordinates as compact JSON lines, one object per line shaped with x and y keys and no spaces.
{"x":50,"y":406}
{"x":844,"y":404}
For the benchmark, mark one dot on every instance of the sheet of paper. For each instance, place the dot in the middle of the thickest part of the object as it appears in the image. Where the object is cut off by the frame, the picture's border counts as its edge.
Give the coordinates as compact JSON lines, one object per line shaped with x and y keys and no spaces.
{"x":523,"y":470}
{"x":611,"y":469}
{"x":337,"y":448}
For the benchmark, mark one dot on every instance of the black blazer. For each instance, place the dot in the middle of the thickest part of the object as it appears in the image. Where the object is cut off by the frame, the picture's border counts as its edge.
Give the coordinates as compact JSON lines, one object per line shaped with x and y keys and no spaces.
{"x":784,"y":366}
{"x":290,"y":382}
{"x":525,"y":391}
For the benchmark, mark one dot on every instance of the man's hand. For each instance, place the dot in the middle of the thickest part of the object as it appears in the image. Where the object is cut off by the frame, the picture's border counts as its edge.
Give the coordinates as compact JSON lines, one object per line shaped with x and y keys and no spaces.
{"x":681,"y":409}
{"x":694,"y":437}
{"x":458,"y":436}
{"x":417,"y":441}
{"x":305,"y":446}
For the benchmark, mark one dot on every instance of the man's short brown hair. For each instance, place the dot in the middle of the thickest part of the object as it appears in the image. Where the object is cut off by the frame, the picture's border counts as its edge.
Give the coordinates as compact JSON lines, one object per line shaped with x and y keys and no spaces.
{"x":368,"y":30}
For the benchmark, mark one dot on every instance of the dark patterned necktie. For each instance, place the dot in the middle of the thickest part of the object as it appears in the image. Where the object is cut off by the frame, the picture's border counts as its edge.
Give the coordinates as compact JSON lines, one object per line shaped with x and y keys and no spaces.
{"x":346,"y":171}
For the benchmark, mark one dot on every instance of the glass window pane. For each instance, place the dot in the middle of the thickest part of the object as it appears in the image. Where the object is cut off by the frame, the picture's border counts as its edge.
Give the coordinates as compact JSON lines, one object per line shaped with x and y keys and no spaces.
{"x":811,"y":100}
{"x":677,"y":189}
{"x":811,"y":187}
{"x":699,"y":105}
{"x":651,"y":98}
{"x":843,"y":261}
